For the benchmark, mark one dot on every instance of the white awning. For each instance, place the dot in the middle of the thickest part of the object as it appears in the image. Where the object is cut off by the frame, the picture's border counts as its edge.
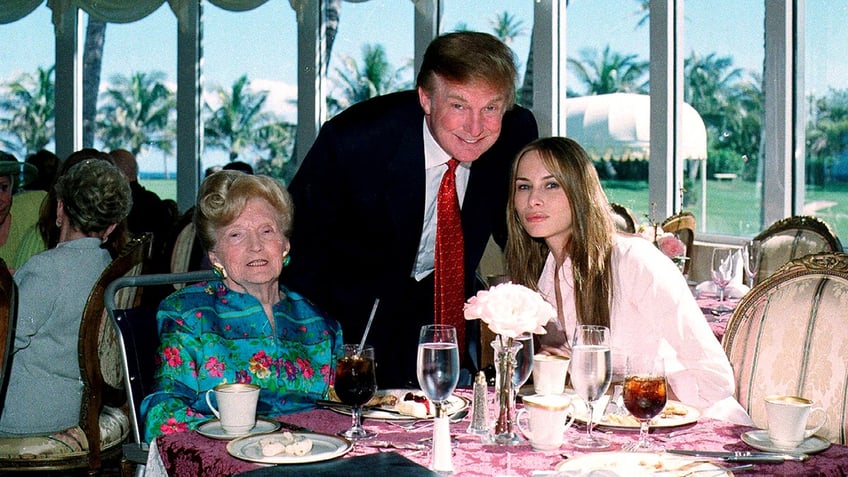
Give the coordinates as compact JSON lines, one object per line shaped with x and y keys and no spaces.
{"x":618,"y":126}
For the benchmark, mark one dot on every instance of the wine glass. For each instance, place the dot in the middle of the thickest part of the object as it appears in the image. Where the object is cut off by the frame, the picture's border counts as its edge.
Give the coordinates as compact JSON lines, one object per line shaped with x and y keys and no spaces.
{"x":523,"y":361}
{"x":752,"y":252}
{"x":438,"y":372}
{"x":438,"y":363}
{"x":355,"y":384}
{"x":723,"y":270}
{"x":645,"y":395}
{"x":591,"y":373}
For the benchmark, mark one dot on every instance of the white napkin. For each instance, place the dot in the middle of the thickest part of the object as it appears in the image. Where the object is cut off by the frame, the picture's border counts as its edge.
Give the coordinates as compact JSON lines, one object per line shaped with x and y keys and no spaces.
{"x":735,"y":289}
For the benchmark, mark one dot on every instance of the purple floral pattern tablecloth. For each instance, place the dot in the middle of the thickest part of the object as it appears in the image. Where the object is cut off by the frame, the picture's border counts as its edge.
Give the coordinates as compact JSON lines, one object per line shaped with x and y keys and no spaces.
{"x":190,"y":454}
{"x":718,"y":323}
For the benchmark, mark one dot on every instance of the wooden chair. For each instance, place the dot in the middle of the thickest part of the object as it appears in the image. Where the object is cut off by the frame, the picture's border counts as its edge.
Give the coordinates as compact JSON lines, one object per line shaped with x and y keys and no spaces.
{"x":791,"y":238}
{"x":789,"y":335}
{"x":103,"y":425}
{"x":139,"y":342}
{"x":623,"y":217}
{"x":682,"y":224}
{"x":8,"y":306}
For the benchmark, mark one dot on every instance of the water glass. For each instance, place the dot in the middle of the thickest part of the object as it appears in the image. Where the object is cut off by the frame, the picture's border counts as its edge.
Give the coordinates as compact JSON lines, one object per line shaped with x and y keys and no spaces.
{"x":591,"y":373}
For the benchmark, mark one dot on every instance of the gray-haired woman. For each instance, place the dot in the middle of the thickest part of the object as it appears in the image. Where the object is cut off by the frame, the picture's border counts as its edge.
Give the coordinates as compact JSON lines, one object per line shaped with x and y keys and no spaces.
{"x":44,"y":383}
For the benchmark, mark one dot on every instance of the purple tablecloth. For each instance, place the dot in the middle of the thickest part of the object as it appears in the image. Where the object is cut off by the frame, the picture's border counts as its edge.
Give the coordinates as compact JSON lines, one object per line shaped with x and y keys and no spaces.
{"x":190,"y":454}
{"x":718,"y":323}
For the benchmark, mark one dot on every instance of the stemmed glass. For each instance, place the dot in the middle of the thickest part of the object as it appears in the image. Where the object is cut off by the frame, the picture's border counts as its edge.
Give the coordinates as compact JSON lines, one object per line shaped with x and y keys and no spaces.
{"x":438,"y":372}
{"x":355,"y":384}
{"x":751,"y":254}
{"x":591,"y":373}
{"x":723,"y":270}
{"x":645,"y":395}
{"x":523,"y":361}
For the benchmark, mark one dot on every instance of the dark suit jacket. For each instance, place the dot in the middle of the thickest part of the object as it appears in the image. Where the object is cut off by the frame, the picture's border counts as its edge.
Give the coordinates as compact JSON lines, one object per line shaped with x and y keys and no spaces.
{"x":359,"y":212}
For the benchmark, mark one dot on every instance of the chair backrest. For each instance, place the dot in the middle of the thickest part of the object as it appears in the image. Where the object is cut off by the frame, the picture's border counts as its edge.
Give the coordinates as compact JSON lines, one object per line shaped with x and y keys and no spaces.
{"x":789,"y":335}
{"x":682,"y":224}
{"x":138,"y":335}
{"x":8,"y":318}
{"x":623,"y":217}
{"x":99,"y":355}
{"x":791,"y":238}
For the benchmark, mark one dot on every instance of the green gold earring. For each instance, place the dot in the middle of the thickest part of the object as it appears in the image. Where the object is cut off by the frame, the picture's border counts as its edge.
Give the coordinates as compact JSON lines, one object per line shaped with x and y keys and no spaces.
{"x":219,"y":270}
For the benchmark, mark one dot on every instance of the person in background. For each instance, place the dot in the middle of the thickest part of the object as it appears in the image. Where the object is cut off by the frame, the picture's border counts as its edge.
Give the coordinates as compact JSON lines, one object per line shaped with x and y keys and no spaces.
{"x":562,"y":242}
{"x":244,"y":327}
{"x":44,"y":235}
{"x":149,"y":213}
{"x":14,"y":221}
{"x":367,"y":197}
{"x":91,"y":199}
{"x":48,"y":165}
{"x":238,"y":166}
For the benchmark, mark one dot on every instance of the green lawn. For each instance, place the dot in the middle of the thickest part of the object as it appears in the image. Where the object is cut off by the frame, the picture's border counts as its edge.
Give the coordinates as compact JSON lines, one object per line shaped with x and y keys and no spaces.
{"x":732,"y":207}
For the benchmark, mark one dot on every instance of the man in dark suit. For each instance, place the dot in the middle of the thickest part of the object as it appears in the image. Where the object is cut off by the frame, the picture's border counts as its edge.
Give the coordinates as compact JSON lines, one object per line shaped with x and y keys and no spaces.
{"x":365,"y":196}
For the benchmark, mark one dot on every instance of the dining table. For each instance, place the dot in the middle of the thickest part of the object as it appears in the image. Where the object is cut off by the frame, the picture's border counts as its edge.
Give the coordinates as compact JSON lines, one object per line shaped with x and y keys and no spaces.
{"x":709,"y":304}
{"x":192,"y":454}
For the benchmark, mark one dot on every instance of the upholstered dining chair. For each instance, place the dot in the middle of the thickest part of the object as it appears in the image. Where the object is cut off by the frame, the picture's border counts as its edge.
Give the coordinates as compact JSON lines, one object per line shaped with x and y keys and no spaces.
{"x":103,"y":424}
{"x":624,"y":218}
{"x":139,"y":341}
{"x":682,"y":224}
{"x":789,"y":335}
{"x":791,"y":238}
{"x":8,"y":300}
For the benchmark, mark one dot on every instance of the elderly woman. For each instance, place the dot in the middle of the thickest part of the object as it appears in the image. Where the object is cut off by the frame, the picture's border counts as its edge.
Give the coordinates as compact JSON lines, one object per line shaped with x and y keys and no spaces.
{"x":53,"y":286}
{"x":562,"y":242}
{"x":245,"y":327}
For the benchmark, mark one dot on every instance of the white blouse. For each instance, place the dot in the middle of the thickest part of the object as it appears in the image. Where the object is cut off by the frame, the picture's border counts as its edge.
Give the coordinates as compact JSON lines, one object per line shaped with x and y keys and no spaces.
{"x":654,"y":313}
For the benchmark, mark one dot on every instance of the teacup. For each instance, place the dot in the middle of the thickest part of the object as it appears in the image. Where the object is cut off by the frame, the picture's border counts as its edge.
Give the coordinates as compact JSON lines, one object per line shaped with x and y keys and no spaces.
{"x":548,"y":416}
{"x":787,"y":418}
{"x":236,"y":406}
{"x":549,"y":373}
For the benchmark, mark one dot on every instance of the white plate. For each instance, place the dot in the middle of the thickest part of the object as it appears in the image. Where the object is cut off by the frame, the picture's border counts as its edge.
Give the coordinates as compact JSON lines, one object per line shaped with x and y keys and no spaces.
{"x":213,"y":430}
{"x":324,"y":447}
{"x":759,"y":439}
{"x":635,"y":464}
{"x":453,"y":405}
{"x":691,"y":416}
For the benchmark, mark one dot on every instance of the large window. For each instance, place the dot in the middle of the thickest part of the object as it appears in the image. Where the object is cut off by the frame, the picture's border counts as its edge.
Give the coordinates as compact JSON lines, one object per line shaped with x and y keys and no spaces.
{"x":826,"y":101}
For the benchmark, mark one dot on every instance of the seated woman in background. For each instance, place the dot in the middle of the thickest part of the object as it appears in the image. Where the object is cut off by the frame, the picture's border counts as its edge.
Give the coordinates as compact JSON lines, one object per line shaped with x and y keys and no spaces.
{"x":53,"y":286}
{"x":562,"y":242}
{"x":245,"y":327}
{"x":16,"y":214}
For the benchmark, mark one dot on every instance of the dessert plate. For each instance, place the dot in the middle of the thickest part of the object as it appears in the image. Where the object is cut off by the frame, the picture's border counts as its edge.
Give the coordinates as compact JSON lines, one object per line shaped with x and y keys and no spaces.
{"x":759,"y":439}
{"x":324,"y":447}
{"x":675,"y":414}
{"x":453,"y":405}
{"x":213,"y":430}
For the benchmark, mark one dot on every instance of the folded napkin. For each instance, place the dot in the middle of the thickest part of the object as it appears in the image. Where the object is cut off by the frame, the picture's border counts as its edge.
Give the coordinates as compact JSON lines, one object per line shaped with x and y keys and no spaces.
{"x":735,"y":289}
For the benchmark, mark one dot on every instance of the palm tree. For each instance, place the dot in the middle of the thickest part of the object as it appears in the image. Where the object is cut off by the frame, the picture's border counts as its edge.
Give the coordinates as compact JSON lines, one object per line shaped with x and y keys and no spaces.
{"x":137,"y":114}
{"x":375,"y":77}
{"x":234,"y":125}
{"x":507,"y":27}
{"x":609,"y":73}
{"x":29,"y":112}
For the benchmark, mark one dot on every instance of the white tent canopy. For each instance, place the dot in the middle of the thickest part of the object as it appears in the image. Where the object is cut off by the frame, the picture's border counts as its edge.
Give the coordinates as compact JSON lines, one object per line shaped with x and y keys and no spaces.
{"x":617,"y":126}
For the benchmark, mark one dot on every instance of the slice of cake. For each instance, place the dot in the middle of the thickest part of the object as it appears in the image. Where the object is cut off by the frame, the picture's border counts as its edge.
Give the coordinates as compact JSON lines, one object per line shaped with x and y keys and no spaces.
{"x":414,"y":405}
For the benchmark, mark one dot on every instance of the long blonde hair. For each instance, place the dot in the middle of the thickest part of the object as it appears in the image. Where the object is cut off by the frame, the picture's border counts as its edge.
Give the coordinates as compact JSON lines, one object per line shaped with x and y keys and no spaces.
{"x":593,"y":230}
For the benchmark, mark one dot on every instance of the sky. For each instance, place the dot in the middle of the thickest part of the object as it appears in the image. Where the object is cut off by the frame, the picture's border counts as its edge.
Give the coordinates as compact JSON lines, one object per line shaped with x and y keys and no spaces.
{"x":262,"y":43}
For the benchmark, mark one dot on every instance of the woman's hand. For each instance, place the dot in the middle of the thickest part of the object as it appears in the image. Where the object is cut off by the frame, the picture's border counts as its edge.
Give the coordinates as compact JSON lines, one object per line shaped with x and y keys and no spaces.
{"x":555,"y":351}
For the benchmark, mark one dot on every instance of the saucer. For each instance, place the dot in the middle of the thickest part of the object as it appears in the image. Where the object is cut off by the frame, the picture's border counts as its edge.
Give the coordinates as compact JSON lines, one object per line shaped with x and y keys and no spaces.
{"x":213,"y":430}
{"x":759,"y":439}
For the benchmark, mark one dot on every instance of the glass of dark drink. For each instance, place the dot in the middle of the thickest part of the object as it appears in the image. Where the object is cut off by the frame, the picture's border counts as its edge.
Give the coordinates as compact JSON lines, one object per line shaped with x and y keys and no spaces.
{"x":645,"y":396}
{"x":355,"y":384}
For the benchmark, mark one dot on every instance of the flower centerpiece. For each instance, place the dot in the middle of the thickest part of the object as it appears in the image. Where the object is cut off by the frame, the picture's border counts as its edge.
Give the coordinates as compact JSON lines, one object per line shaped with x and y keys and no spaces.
{"x":509,"y":310}
{"x":669,"y":244}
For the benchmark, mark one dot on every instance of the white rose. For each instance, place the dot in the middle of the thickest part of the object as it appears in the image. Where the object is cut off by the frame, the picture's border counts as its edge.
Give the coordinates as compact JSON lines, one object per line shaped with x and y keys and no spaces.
{"x":510,"y":310}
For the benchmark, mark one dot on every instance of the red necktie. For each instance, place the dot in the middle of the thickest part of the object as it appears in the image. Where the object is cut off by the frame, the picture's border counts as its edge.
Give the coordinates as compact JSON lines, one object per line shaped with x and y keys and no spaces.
{"x":449,"y":262}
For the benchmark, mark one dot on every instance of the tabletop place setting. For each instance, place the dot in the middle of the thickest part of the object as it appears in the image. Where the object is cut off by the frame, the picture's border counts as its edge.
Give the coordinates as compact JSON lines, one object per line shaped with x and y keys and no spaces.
{"x":577,"y":418}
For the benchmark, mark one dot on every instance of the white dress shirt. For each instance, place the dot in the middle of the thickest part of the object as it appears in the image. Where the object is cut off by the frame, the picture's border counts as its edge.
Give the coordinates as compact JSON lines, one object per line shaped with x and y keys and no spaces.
{"x":435,"y":164}
{"x":653,"y":312}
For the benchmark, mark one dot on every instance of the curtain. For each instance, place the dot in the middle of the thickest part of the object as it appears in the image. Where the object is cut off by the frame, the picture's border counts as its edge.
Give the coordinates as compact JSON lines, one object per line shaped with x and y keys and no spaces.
{"x":14,"y":10}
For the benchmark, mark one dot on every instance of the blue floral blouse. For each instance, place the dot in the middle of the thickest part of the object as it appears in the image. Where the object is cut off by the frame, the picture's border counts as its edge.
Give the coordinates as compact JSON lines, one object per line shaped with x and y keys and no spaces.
{"x":210,"y":334}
